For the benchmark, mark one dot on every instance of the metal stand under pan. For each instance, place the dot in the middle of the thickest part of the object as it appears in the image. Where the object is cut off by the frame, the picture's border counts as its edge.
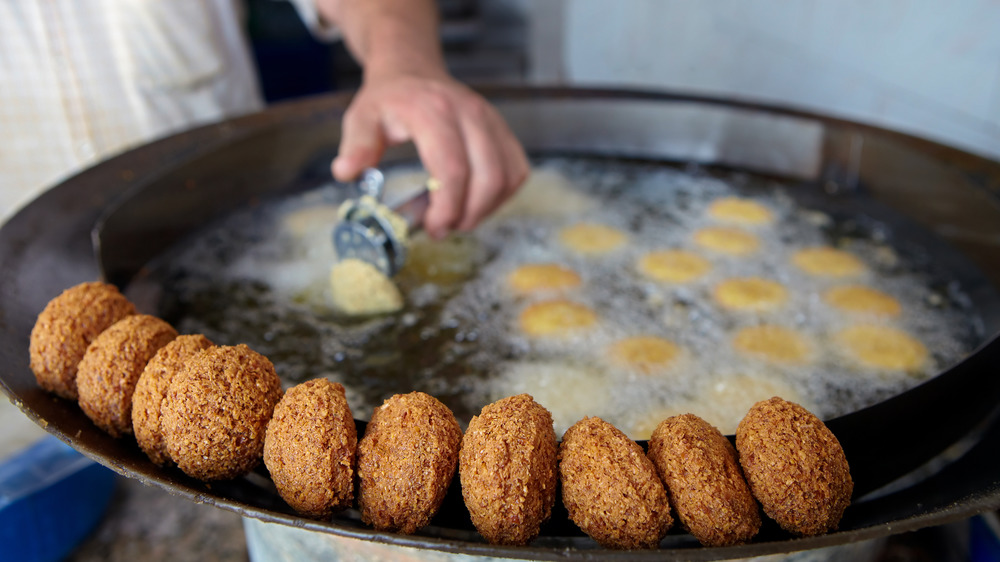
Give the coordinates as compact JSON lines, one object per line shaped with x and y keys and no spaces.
{"x":145,"y":200}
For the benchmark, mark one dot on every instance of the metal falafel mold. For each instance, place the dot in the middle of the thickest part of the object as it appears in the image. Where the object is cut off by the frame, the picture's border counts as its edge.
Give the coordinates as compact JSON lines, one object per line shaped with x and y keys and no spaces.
{"x":373,"y":232}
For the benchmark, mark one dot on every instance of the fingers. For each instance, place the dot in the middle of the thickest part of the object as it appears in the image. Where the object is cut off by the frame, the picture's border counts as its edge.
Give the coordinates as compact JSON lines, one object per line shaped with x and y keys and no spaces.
{"x":488,"y":178}
{"x":361,"y":143}
{"x":461,"y":139}
{"x":441,"y":145}
{"x":516,"y":161}
{"x":494,"y":166}
{"x":499,"y":165}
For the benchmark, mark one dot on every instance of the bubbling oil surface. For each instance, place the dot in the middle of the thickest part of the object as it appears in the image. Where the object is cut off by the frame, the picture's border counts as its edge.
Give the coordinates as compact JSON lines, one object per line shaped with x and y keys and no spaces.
{"x":260,"y":277}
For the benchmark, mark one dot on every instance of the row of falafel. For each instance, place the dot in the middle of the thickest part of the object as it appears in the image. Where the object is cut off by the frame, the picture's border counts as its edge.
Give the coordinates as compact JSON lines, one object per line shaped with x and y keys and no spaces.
{"x":216,"y":411}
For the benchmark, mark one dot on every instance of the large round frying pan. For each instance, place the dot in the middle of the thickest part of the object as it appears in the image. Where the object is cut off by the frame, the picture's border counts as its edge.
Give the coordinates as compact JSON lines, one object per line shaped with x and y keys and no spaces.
{"x":139,"y":203}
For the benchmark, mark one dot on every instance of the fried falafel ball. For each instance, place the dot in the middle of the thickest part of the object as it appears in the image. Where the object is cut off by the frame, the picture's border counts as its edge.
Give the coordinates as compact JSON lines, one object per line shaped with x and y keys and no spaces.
{"x":648,"y":355}
{"x":310,"y":448}
{"x":774,"y":343}
{"x":109,"y":371}
{"x":738,"y":210}
{"x":704,"y":481}
{"x":406,"y":461}
{"x":673,"y":266}
{"x":151,"y":389}
{"x":541,"y":278}
{"x":862,"y":300}
{"x":610,"y":487}
{"x":823,"y":261}
{"x":66,"y":327}
{"x":216,"y":410}
{"x":727,"y":240}
{"x":882,"y":347}
{"x":752,"y":294}
{"x":556,"y":318}
{"x":592,"y":239}
{"x":509,"y":470}
{"x":795,"y":466}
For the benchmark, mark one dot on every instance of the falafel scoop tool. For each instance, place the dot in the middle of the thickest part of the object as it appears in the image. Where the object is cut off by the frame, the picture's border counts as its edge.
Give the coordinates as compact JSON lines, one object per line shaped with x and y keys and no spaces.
{"x":376,"y":233}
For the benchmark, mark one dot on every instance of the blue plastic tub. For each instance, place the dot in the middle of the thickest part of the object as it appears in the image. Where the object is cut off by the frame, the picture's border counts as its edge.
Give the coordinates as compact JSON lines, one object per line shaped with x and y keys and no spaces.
{"x":51,"y":498}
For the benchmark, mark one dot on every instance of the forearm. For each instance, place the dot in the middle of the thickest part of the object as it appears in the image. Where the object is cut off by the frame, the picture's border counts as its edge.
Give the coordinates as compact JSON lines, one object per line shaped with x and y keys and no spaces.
{"x":389,"y":36}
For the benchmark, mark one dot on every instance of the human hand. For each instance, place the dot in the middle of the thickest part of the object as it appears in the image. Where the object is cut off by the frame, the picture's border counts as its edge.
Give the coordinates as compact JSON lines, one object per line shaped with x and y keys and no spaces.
{"x":462,"y":141}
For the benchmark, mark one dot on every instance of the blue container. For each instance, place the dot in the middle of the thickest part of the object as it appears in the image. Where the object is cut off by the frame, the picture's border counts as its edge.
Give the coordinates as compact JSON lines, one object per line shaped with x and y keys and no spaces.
{"x":984,"y":538}
{"x":51,"y":498}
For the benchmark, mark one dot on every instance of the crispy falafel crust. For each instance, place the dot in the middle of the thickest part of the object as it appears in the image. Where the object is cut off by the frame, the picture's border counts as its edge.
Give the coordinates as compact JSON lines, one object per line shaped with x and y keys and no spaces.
{"x":610,"y":487}
{"x":66,"y":327}
{"x":216,"y":410}
{"x":110,"y":370}
{"x":406,"y":461}
{"x":704,"y":481}
{"x":310,"y":448}
{"x":508,"y":469}
{"x":795,"y":466}
{"x":152,"y":387}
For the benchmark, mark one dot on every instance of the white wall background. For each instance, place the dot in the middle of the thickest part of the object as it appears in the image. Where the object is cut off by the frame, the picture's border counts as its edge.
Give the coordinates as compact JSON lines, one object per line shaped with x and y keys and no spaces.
{"x":930,"y":68}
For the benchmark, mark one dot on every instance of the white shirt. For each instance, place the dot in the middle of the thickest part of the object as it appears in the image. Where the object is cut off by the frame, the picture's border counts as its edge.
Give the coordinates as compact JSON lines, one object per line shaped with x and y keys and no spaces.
{"x":81,"y":80}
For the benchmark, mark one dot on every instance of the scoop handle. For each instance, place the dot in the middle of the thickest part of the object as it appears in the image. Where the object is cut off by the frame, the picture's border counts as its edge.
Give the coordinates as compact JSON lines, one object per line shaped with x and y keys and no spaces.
{"x":414,"y":208}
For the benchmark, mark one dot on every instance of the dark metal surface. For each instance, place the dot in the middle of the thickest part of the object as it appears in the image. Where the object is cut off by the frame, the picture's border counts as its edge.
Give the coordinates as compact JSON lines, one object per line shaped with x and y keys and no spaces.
{"x":146,"y":199}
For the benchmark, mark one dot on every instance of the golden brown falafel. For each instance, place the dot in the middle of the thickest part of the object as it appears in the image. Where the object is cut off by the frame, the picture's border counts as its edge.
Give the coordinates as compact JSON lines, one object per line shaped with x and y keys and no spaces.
{"x":823,"y":261}
{"x":406,"y":461}
{"x":645,"y":354}
{"x":508,"y":469}
{"x":738,"y":210}
{"x":110,"y":369}
{"x":310,"y":448}
{"x":859,"y":299}
{"x":542,"y":277}
{"x":673,"y":266}
{"x":216,"y":410}
{"x":152,"y":387}
{"x":774,"y":343}
{"x":610,"y":487}
{"x":750,"y":294}
{"x":882,"y":347}
{"x":556,"y":318}
{"x":727,"y":240}
{"x":66,"y":327}
{"x":795,"y":466}
{"x":592,"y":239}
{"x":704,"y":481}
